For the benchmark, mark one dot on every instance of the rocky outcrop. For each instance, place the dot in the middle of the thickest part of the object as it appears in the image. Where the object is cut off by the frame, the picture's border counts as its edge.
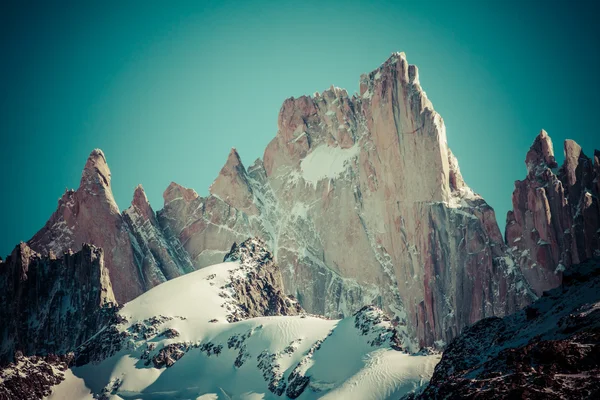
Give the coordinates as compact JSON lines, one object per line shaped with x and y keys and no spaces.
{"x":136,"y":252}
{"x":550,"y":350}
{"x":32,"y":377}
{"x":51,"y":305}
{"x":259,"y":290}
{"x":555,"y":219}
{"x":362,"y":202}
{"x":160,"y":260}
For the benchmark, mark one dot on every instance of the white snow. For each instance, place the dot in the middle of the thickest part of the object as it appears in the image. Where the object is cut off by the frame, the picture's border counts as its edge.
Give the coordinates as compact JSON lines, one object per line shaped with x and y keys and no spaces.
{"x":326,"y":162}
{"x":344,"y":366}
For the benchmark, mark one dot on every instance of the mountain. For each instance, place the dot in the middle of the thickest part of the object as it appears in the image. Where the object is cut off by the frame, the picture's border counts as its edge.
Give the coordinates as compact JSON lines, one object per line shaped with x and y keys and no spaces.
{"x":555,"y":221}
{"x":549,"y":350}
{"x":136,"y":254}
{"x":205,"y":334}
{"x":362,"y":202}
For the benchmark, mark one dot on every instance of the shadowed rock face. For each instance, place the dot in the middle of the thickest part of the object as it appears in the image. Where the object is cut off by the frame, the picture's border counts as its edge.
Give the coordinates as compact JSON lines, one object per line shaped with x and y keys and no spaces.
{"x":160,"y":260}
{"x":136,"y":254}
{"x":50,"y":305}
{"x":363,"y":203}
{"x":550,"y":350}
{"x":555,"y":219}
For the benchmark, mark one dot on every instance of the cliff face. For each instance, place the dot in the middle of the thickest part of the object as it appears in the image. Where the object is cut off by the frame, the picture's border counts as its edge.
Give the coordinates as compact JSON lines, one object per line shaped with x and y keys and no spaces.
{"x":362,"y":202}
{"x":136,"y":255}
{"x":555,"y":219}
{"x":160,"y":260}
{"x":550,"y":350}
{"x":51,"y":305}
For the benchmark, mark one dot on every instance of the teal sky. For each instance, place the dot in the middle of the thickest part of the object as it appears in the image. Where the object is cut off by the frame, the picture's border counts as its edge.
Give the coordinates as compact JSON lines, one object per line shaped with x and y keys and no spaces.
{"x":167,"y":91}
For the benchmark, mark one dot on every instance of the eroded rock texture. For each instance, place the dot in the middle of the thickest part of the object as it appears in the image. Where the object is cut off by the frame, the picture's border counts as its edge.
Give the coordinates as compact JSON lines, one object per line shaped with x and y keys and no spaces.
{"x":52,"y":305}
{"x":135,"y":253}
{"x":555,"y":221}
{"x":550,"y":350}
{"x":362,"y":202}
{"x":257,"y":286}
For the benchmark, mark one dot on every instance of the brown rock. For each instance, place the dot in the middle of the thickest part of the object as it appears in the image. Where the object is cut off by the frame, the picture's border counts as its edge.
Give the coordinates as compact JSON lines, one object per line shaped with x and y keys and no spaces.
{"x":90,"y":215}
{"x":161,"y":259}
{"x":555,"y":219}
{"x":363,"y":203}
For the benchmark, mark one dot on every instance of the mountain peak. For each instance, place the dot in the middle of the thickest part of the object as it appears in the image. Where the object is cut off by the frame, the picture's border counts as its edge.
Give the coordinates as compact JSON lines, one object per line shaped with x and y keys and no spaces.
{"x":139,"y":197}
{"x":175,"y":191}
{"x":96,"y":170}
{"x":232,"y":185}
{"x":141,"y":204}
{"x":541,"y":152}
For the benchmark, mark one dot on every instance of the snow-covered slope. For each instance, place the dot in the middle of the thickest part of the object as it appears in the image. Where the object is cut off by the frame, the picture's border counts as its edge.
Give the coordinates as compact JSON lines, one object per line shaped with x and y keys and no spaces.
{"x":175,"y":341}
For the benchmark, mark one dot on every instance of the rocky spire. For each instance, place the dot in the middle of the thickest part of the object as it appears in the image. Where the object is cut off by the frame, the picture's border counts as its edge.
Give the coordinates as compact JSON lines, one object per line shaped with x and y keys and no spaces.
{"x":141,"y":204}
{"x":232,"y":185}
{"x":159,"y":259}
{"x":541,"y":153}
{"x":91,"y":215}
{"x":555,"y":218}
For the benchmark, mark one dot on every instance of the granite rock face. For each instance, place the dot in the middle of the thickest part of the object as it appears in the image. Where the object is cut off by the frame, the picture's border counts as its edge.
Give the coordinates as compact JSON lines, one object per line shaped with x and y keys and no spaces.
{"x":135,"y":253}
{"x":555,"y":219}
{"x":363,"y":203}
{"x":160,"y":259}
{"x":550,"y":350}
{"x":51,"y":305}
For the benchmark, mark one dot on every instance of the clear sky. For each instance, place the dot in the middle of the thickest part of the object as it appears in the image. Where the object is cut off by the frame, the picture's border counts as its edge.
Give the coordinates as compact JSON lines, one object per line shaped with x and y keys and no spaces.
{"x":167,"y":91}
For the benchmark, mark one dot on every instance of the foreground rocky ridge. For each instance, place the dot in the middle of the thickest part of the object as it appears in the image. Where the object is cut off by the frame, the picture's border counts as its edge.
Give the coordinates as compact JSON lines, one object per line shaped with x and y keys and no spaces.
{"x":550,"y":350}
{"x":52,"y":305}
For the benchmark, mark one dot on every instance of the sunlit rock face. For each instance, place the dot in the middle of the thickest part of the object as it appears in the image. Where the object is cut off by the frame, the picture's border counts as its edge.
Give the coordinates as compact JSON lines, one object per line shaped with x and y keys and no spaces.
{"x":362,"y":202}
{"x":555,"y":218}
{"x":135,"y":253}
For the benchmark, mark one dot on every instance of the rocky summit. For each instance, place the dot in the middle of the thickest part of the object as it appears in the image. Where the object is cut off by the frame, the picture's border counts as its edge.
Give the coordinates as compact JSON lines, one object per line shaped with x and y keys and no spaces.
{"x":136,"y":253}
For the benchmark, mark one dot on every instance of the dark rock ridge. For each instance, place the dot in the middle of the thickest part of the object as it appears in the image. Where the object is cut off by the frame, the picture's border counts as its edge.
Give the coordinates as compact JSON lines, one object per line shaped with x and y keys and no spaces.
{"x":136,"y":254}
{"x":51,"y":305}
{"x":550,"y":350}
{"x":555,"y":221}
{"x":259,"y":292}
